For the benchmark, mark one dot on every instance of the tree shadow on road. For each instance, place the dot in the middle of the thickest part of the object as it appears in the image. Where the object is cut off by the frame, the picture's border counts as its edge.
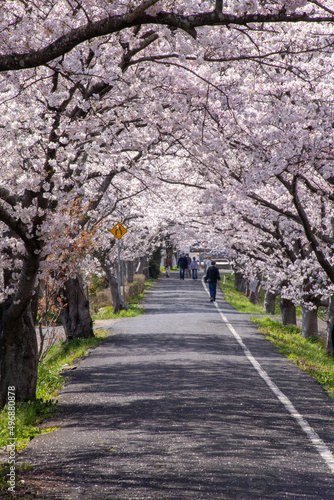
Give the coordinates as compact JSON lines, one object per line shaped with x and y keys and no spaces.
{"x":181,"y":423}
{"x":152,"y":414}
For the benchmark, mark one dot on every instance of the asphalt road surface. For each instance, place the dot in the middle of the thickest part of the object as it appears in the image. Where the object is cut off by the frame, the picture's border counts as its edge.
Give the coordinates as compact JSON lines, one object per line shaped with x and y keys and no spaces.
{"x":187,"y":402}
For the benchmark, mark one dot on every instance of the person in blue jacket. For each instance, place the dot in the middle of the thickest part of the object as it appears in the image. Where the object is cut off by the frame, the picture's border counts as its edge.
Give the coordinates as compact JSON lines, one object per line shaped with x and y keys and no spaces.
{"x":194,"y":267}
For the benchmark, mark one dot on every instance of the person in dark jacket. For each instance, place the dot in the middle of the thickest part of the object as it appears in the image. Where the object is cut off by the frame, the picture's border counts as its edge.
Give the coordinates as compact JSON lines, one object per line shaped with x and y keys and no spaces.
{"x":212,"y":276}
{"x":183,"y":264}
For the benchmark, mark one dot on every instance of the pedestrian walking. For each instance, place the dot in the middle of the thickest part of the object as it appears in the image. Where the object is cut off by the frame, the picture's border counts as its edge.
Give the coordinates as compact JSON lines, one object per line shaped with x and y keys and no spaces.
{"x":194,"y":267}
{"x":212,"y":276}
{"x":188,"y":271}
{"x":183,"y":264}
{"x":168,"y":265}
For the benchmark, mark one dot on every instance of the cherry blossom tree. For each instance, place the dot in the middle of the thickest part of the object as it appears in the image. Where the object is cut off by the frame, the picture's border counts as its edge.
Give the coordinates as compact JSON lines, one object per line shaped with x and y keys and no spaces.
{"x":200,"y":97}
{"x":278,"y":156}
{"x":48,"y":170}
{"x":62,"y":26}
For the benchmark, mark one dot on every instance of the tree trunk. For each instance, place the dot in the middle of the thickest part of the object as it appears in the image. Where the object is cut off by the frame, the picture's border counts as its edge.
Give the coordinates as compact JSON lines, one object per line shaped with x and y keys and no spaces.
{"x":113,"y":285}
{"x":18,"y":341}
{"x":239,"y":282}
{"x":309,"y":321}
{"x":129,"y":271}
{"x":75,"y":315}
{"x":143,"y":266}
{"x":269,"y":302}
{"x":18,"y":354}
{"x":330,"y":327}
{"x":112,"y":280}
{"x":288,"y":312}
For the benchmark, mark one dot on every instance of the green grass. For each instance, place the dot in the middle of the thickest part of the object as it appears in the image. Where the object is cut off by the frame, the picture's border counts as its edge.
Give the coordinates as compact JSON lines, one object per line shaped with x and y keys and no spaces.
{"x":309,"y":354}
{"x":134,"y":308}
{"x":30,"y":415}
{"x":50,"y":380}
{"x":238,"y":299}
{"x":108,"y":312}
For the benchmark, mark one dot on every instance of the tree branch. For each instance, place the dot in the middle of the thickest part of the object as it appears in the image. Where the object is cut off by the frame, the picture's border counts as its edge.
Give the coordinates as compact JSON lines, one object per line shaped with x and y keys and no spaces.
{"x":115,"y":24}
{"x":329,"y":270}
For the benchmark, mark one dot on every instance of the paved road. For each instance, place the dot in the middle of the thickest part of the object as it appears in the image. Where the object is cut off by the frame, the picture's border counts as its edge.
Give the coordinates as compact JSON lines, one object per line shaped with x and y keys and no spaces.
{"x":188,"y":402}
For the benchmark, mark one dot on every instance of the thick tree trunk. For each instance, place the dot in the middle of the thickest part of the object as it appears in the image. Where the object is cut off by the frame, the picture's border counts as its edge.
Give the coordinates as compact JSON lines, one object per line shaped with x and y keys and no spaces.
{"x":288,"y":312}
{"x":18,"y":341}
{"x":269,"y":302}
{"x":75,"y":315}
{"x":18,"y":354}
{"x":309,"y":321}
{"x":330,"y":327}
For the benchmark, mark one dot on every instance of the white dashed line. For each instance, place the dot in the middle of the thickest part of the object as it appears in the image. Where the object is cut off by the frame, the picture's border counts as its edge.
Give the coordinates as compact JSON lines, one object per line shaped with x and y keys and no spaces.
{"x":317,"y":442}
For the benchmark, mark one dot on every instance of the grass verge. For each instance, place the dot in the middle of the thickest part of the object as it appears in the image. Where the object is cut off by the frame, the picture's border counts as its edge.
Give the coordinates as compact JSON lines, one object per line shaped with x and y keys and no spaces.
{"x":237,"y":299}
{"x":30,"y":415}
{"x":309,"y":354}
{"x":134,"y":308}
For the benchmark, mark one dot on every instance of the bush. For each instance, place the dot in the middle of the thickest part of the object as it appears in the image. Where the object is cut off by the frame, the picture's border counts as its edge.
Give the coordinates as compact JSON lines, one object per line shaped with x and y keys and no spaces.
{"x":154,"y":264}
{"x":103,"y":299}
{"x":133,"y":294}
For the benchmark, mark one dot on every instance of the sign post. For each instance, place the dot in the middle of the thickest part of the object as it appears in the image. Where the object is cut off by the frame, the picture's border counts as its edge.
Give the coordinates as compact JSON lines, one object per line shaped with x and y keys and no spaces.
{"x":119,"y":231}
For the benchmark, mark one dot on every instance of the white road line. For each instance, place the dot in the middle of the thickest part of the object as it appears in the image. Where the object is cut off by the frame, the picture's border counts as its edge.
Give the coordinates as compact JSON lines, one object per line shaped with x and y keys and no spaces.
{"x":317,"y":442}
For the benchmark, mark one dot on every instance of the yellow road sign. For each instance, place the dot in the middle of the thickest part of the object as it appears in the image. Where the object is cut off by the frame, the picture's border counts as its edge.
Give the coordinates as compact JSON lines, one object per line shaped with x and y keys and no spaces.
{"x":118,"y":231}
